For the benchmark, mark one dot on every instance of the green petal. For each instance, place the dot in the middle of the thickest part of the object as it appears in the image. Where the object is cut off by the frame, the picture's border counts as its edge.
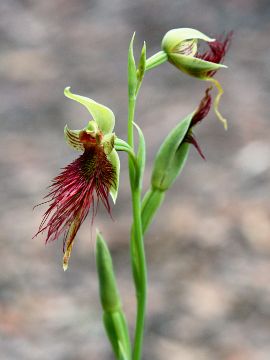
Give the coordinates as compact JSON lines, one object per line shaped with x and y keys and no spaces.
{"x":103,"y":116}
{"x":72,"y":138}
{"x":194,"y":66}
{"x":114,"y":160}
{"x":174,"y":37}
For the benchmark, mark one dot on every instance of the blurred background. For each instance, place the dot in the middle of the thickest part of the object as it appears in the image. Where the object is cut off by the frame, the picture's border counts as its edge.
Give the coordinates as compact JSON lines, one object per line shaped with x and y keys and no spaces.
{"x":209,"y":247}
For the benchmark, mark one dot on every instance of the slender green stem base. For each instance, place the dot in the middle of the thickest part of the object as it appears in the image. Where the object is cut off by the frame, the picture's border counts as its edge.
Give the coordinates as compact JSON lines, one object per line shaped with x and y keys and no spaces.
{"x":137,"y":244}
{"x":140,"y":273}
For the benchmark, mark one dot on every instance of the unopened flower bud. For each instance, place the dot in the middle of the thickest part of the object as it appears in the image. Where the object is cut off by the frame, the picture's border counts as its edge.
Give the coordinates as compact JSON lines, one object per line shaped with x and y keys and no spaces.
{"x":113,"y":315}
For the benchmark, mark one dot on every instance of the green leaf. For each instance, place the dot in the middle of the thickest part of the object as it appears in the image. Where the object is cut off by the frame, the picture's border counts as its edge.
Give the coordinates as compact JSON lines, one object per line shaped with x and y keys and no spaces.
{"x":140,"y":153}
{"x":151,"y":203}
{"x":114,"y":160}
{"x":102,"y":115}
{"x":132,"y":71}
{"x":171,"y":156}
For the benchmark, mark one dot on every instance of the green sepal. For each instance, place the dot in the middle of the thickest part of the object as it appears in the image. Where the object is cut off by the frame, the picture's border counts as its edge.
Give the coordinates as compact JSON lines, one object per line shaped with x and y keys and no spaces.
{"x":132,"y":71}
{"x":140,"y":154}
{"x":117,"y":331}
{"x":102,"y":115}
{"x":114,"y":160}
{"x":171,"y":156}
{"x":174,"y":37}
{"x":194,"y":66}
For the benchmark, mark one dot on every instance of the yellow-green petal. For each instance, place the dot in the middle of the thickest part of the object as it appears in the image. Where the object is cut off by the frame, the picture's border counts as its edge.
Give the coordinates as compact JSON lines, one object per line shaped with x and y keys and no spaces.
{"x":194,"y":66}
{"x":103,"y":116}
{"x":174,"y":37}
{"x":108,"y":143}
{"x":72,"y":138}
{"x":114,"y":160}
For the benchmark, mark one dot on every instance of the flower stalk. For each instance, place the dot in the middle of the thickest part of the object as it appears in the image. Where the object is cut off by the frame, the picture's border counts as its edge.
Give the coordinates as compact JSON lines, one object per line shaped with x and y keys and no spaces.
{"x":94,"y":176}
{"x":138,"y":260}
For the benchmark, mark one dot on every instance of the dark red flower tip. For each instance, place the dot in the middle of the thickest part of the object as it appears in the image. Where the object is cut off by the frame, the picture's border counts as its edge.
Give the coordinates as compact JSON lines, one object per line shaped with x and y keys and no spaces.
{"x":199,"y":115}
{"x":203,"y":108}
{"x":217,"y":51}
{"x":78,"y":188}
{"x":190,"y":138}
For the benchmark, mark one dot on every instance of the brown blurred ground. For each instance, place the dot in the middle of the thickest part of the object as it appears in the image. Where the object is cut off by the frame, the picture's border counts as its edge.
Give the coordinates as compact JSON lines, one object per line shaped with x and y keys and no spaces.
{"x":209,"y":249}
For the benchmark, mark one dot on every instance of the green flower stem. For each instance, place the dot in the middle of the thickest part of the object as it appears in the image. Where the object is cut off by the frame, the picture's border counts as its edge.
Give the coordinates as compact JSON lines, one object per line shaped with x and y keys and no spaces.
{"x":141,"y":276}
{"x":131,"y":154}
{"x":131,"y":113}
{"x":156,"y":60}
{"x":137,"y":243}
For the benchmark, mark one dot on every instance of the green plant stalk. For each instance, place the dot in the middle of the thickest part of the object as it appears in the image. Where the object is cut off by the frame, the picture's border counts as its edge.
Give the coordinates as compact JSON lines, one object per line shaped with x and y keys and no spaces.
{"x":137,"y":242}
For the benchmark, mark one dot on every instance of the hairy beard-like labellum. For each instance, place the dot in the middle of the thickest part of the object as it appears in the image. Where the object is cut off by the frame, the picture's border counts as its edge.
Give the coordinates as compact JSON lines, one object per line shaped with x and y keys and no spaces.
{"x":79,"y":187}
{"x":217,"y":51}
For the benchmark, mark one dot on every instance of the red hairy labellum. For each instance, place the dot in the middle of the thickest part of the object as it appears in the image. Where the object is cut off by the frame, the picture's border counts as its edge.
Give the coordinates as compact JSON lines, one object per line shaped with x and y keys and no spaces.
{"x":217,"y":51}
{"x":80,"y":186}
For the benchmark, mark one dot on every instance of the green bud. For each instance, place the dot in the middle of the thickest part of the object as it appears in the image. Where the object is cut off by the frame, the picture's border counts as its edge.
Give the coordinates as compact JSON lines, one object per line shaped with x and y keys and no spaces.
{"x":108,"y":291}
{"x":132,"y":71}
{"x":117,"y":331}
{"x":113,"y":316}
{"x":171,"y":156}
{"x":141,"y":67}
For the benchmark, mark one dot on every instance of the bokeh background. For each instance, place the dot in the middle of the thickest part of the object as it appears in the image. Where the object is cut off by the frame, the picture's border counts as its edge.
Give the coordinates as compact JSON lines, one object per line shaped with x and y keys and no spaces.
{"x":209,"y":247}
